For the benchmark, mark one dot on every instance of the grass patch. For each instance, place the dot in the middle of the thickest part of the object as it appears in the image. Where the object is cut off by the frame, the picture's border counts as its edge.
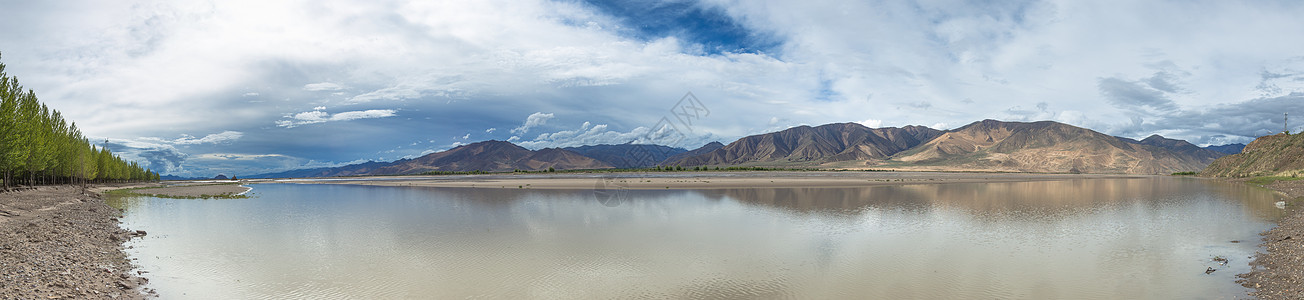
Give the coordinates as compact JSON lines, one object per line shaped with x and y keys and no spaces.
{"x":1185,"y":173}
{"x":1266,"y":180}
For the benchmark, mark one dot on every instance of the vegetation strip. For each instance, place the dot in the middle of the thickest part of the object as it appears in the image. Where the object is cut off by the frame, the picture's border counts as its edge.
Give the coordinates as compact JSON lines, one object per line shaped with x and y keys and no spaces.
{"x":37,"y":146}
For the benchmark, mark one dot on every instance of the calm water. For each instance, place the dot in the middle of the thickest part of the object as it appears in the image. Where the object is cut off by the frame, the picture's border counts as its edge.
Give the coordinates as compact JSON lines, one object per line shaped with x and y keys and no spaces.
{"x":1098,"y":238}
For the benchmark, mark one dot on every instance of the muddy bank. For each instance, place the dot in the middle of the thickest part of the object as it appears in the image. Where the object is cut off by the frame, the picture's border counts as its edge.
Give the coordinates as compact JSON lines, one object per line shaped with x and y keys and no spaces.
{"x":1279,"y":267}
{"x":194,"y":190}
{"x":59,"y":243}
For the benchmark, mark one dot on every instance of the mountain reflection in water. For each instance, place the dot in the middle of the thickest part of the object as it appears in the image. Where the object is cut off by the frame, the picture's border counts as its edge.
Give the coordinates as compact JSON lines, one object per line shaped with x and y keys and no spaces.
{"x":1091,"y":238}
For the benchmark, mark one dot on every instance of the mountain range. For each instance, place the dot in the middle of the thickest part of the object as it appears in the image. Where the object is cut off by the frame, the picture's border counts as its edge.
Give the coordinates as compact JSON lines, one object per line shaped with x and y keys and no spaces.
{"x":987,"y":145}
{"x":1046,"y":146}
{"x":805,"y":144}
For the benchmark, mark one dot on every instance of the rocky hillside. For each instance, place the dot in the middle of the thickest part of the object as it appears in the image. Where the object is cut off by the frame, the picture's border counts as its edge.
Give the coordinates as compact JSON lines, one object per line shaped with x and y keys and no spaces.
{"x":831,"y":142}
{"x":1046,"y":146}
{"x":1279,"y":154}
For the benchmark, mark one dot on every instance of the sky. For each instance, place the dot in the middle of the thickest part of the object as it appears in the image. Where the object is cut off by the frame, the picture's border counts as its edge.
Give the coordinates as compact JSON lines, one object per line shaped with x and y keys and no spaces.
{"x":199,"y":88}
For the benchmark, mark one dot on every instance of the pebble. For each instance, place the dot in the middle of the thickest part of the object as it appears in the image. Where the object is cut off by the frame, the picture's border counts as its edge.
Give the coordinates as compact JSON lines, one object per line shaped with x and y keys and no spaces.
{"x":58,"y":247}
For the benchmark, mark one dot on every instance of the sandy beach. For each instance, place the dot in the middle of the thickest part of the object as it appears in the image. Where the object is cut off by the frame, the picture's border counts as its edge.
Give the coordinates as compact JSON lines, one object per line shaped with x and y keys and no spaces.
{"x":703,"y":180}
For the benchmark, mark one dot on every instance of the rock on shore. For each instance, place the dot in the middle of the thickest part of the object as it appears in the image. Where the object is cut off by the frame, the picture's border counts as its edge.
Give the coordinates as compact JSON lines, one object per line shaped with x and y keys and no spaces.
{"x":57,"y":243}
{"x":1279,"y":272}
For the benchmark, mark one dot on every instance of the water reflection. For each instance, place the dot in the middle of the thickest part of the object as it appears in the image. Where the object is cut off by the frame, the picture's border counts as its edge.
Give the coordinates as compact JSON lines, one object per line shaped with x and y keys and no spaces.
{"x":1105,"y":238}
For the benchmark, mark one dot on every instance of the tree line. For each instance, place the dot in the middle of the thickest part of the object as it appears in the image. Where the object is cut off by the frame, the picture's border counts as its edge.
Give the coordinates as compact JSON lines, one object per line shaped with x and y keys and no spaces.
{"x":37,"y":146}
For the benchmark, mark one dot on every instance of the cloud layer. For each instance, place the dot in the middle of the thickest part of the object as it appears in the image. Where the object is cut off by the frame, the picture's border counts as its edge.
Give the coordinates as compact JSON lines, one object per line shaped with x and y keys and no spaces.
{"x":402,"y":78}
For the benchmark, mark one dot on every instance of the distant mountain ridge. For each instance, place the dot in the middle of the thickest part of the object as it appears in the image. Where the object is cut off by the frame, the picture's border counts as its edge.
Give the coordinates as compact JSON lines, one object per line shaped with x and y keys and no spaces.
{"x":1228,"y":148}
{"x":712,"y":146}
{"x":987,"y":145}
{"x":628,"y":156}
{"x":830,"y":142}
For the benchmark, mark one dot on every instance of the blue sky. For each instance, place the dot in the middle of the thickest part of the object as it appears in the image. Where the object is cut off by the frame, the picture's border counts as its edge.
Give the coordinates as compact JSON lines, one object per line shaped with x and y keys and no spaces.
{"x":197,"y":88}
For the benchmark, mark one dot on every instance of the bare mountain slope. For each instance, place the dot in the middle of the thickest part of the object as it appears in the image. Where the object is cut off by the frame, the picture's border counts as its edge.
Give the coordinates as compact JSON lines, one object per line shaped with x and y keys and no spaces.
{"x":1279,"y":154}
{"x":1046,"y":146}
{"x":830,"y":142}
{"x":712,"y":146}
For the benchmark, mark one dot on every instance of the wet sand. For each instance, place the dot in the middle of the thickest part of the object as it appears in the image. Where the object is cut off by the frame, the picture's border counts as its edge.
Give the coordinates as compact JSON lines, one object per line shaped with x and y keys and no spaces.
{"x":703,"y":180}
{"x":57,"y":242}
{"x":195,"y":190}
{"x":1279,"y":268}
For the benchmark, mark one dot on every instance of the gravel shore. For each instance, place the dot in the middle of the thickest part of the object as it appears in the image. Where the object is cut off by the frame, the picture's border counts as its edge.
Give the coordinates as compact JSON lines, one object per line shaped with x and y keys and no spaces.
{"x":1279,"y":270}
{"x":58,"y":243}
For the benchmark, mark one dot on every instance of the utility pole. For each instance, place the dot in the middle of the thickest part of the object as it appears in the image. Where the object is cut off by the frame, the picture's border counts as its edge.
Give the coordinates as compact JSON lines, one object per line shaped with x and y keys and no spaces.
{"x":1285,"y":123}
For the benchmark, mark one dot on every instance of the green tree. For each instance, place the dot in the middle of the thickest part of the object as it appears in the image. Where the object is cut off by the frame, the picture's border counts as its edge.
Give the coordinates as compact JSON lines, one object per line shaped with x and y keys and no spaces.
{"x":37,"y":144}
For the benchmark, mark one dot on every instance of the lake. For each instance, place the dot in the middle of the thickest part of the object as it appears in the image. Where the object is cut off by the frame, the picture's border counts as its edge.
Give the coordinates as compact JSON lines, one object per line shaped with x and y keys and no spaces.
{"x":1147,"y":237}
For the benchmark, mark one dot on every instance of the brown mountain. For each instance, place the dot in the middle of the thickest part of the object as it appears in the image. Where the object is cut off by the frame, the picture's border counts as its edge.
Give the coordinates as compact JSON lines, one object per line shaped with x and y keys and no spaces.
{"x":712,"y":146}
{"x":1182,"y":147}
{"x":1279,"y":154}
{"x":628,"y":156}
{"x":824,"y":143}
{"x":491,"y":156}
{"x":1046,"y":146}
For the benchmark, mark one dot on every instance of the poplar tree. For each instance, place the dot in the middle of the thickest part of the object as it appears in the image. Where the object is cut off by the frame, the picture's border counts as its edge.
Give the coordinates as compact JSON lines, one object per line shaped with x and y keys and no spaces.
{"x":39,"y":145}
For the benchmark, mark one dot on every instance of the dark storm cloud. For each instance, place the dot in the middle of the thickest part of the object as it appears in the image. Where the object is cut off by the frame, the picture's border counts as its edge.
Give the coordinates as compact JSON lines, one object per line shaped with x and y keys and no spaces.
{"x":162,"y":159}
{"x":1223,"y":123}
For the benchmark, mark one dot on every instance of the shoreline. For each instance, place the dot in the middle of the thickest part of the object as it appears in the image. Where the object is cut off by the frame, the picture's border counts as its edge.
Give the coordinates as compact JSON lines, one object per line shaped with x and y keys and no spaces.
{"x":59,"y":242}
{"x":701,"y":180}
{"x":1277,"y":271}
{"x":202,"y":190}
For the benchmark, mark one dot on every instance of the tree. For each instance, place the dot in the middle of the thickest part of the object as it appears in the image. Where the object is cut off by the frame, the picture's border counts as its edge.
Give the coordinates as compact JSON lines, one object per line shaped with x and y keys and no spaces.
{"x":39,"y":145}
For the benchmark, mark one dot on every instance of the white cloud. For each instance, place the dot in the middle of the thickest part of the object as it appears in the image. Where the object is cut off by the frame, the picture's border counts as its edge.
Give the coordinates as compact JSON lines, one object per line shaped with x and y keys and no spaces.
{"x":534,"y":120}
{"x":467,"y":136}
{"x":236,"y":156}
{"x":225,"y":136}
{"x":317,"y":116}
{"x":871,"y":123}
{"x":322,"y":86}
{"x":150,"y":68}
{"x":589,"y":134}
{"x":490,"y":130}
